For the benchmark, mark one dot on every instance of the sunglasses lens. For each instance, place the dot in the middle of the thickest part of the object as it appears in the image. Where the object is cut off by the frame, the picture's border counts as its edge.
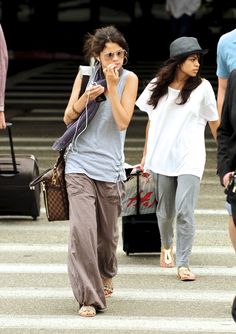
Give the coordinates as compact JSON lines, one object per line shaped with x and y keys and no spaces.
{"x":119,"y":54}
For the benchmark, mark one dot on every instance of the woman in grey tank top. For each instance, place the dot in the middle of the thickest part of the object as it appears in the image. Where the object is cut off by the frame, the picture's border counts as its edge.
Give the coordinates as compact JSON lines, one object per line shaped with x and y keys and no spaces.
{"x":94,"y":169}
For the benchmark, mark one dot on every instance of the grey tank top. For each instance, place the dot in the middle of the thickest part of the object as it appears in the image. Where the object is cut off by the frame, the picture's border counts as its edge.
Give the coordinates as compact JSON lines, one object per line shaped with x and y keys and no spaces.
{"x":99,"y":151}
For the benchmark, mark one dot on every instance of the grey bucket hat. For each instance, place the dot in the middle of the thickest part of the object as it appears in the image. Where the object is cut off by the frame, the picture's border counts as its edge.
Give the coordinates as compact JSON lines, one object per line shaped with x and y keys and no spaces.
{"x":185,"y":46}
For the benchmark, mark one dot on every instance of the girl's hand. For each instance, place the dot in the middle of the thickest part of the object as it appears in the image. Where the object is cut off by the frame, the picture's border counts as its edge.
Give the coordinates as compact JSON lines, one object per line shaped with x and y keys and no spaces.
{"x":94,"y":91}
{"x":142,"y":163}
{"x":226,"y":179}
{"x":2,"y":120}
{"x":111,"y":74}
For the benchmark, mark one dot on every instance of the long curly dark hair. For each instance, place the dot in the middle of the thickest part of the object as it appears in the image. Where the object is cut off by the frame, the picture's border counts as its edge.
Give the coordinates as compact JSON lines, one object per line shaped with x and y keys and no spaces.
{"x":165,"y":76}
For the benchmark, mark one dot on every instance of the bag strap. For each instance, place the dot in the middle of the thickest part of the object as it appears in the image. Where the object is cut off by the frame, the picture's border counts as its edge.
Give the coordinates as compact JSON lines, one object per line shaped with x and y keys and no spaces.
{"x":40,"y":178}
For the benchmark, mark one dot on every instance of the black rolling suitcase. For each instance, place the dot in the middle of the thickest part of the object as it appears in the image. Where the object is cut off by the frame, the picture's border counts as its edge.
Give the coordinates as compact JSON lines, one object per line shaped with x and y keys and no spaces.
{"x":140,"y":232}
{"x":16,"y":172}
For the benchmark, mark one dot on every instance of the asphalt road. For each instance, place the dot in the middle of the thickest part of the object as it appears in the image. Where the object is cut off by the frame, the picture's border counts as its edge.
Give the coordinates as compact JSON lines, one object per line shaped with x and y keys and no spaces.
{"x":34,"y":290}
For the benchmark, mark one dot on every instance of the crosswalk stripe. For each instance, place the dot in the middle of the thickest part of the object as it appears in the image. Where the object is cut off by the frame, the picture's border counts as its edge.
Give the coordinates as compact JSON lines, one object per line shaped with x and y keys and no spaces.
{"x":27,"y":148}
{"x":61,"y":248}
{"x":218,"y":296}
{"x":38,"y":119}
{"x":129,"y":323}
{"x":154,"y":270}
{"x":28,"y":140}
{"x":211,"y":212}
{"x":207,"y":212}
{"x":123,"y":269}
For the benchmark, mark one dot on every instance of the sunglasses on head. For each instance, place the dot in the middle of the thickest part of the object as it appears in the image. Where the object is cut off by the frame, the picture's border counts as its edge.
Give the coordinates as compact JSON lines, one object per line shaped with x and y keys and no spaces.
{"x":119,"y":54}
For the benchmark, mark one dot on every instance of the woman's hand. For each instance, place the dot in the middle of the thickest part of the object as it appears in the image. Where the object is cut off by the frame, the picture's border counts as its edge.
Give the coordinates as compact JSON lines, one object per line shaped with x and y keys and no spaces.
{"x":226,"y":179}
{"x":112,"y":75}
{"x":142,"y":163}
{"x":94,"y":91}
{"x":2,"y":120}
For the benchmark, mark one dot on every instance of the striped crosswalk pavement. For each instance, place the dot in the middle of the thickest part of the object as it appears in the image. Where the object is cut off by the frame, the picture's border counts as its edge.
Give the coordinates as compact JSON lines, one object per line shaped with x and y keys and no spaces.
{"x":35,"y":292}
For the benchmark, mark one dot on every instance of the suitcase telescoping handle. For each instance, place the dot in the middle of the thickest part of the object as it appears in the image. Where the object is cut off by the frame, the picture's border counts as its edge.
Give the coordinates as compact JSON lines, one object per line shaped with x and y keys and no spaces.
{"x":9,"y":125}
{"x":138,"y":172}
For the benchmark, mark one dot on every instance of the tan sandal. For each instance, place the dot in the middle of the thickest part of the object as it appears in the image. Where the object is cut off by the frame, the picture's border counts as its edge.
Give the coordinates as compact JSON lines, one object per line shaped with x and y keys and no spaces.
{"x":107,"y":286}
{"x":167,"y":258}
{"x":87,"y":311}
{"x":185,"y":274}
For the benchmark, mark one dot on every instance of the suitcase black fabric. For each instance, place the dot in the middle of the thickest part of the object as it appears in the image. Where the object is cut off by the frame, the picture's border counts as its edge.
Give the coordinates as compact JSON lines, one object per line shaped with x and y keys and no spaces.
{"x":140,"y":232}
{"x":16,"y":172}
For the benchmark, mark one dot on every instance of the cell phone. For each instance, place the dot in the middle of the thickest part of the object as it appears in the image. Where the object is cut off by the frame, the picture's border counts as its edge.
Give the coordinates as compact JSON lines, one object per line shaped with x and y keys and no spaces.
{"x":101,"y":97}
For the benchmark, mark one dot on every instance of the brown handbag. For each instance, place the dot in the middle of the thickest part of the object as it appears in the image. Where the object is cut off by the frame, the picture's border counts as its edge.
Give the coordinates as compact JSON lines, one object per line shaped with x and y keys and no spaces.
{"x":54,"y":190}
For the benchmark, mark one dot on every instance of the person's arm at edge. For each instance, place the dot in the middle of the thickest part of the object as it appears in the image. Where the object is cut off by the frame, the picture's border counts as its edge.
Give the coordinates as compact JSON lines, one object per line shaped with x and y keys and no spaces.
{"x":214,"y":126}
{"x":222,"y":85}
{"x":145,"y":147}
{"x":224,"y":132}
{"x":3,"y":73}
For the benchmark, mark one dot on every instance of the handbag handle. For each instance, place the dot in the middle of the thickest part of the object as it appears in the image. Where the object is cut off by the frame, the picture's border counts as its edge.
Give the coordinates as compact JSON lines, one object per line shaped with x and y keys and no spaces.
{"x":40,"y":178}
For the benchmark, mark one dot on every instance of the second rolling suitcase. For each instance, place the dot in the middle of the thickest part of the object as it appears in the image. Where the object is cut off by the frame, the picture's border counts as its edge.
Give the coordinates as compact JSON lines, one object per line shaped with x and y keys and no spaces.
{"x":140,"y":231}
{"x":16,"y":172}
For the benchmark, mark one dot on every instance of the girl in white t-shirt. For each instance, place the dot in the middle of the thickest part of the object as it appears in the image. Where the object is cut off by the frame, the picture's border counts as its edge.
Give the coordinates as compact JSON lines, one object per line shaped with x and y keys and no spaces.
{"x":179,"y":103}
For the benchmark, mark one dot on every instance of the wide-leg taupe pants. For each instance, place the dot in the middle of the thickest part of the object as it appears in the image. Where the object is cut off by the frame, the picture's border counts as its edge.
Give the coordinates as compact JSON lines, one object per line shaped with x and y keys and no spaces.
{"x":94,"y":209}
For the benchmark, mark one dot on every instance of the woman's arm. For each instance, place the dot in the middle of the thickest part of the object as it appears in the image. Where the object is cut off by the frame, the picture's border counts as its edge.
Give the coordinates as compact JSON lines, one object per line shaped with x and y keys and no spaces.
{"x":123,"y":108}
{"x":214,"y":126}
{"x":145,"y":147}
{"x":3,"y":76}
{"x":224,"y":133}
{"x":222,"y":85}
{"x":76,"y":105}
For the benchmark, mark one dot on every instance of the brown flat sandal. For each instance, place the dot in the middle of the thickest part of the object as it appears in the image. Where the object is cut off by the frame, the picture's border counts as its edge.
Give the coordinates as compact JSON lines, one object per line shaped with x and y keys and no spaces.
{"x":108,"y":287}
{"x":87,"y":311}
{"x":167,"y":258}
{"x":185,"y":274}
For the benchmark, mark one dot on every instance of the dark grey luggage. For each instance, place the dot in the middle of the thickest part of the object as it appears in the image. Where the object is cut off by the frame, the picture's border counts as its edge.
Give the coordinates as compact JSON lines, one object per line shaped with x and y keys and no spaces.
{"x":16,"y":173}
{"x":140,"y":232}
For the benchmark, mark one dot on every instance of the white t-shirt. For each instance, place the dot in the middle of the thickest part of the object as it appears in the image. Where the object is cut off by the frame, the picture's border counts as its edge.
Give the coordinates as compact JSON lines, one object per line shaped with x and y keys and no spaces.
{"x":176,"y":143}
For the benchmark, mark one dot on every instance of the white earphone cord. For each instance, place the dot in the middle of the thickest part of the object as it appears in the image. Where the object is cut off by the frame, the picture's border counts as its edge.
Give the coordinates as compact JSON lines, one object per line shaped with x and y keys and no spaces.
{"x":75,"y":137}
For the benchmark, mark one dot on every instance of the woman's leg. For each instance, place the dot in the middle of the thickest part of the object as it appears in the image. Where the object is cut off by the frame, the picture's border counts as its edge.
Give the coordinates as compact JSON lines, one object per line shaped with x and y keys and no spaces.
{"x":186,"y":199}
{"x":83,"y":267}
{"x":166,"y":188}
{"x":108,"y":209}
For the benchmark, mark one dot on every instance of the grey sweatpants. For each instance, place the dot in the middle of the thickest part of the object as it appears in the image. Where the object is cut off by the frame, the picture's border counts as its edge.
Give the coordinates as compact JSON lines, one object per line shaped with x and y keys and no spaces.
{"x":94,"y":209}
{"x":177,"y":198}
